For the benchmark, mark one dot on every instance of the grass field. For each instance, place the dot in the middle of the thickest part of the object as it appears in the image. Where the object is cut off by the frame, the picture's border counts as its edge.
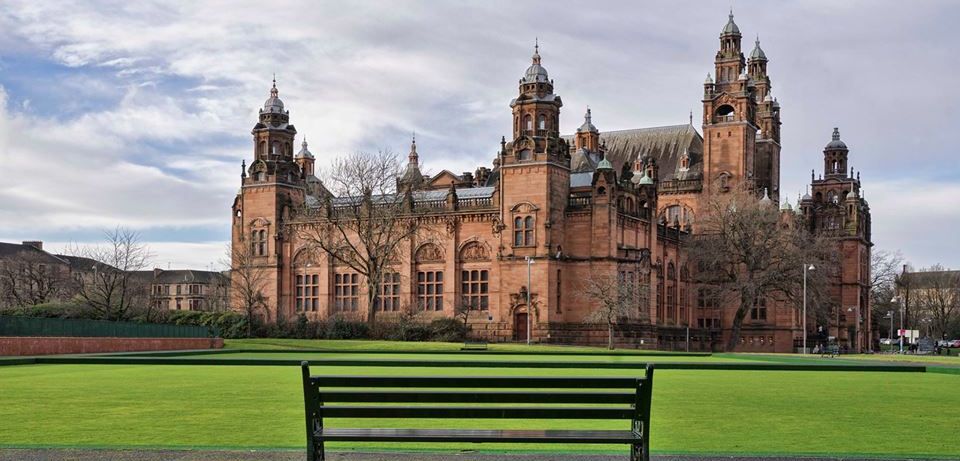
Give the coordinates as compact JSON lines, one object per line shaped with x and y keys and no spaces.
{"x":744,"y":412}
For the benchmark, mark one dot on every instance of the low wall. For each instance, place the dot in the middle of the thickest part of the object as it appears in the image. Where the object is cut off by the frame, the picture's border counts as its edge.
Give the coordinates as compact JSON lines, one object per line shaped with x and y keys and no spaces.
{"x":48,"y":345}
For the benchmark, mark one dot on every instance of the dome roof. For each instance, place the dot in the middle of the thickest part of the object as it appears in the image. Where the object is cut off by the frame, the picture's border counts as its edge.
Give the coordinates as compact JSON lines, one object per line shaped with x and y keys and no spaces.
{"x":604,"y":164}
{"x":731,"y":27}
{"x":836,"y":143}
{"x":642,"y":180}
{"x":757,"y":52}
{"x":587,"y":126}
{"x":536,"y":73}
{"x":273,"y":103}
{"x":304,"y":152}
{"x":786,"y":206}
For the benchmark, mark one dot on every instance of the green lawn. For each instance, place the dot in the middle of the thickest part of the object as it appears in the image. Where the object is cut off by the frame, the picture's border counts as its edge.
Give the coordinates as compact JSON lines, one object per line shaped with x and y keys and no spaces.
{"x":751,"y":412}
{"x":379,"y":346}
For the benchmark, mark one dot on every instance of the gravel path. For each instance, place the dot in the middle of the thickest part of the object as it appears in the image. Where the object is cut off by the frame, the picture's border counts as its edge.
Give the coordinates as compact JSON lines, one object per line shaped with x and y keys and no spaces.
{"x":197,"y":455}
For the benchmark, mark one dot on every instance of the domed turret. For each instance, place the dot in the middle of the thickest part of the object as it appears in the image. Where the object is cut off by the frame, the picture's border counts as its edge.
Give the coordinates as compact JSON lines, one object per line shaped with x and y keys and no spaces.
{"x":304,"y":152}
{"x":757,"y":53}
{"x":836,"y":143}
{"x":731,"y":27}
{"x":587,"y":126}
{"x":536,"y":73}
{"x":273,"y":103}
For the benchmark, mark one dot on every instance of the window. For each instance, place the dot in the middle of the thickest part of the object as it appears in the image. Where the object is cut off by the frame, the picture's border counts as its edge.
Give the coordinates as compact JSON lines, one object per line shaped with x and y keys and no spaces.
{"x":308,"y":292}
{"x":525,"y":154}
{"x":542,"y":122}
{"x":260,"y":242}
{"x":430,"y":290}
{"x":528,"y":122}
{"x":178,"y":304}
{"x":194,"y":304}
{"x":706,"y":298}
{"x":346,"y":292}
{"x":179,"y":289}
{"x":474,"y":289}
{"x":671,"y":271}
{"x":523,"y":231}
{"x":759,"y":310}
{"x":389,"y":296}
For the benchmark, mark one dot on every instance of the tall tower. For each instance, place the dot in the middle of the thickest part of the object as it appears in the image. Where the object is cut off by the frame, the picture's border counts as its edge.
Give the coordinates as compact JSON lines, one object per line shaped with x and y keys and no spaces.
{"x":838,"y":210}
{"x":272,"y":187}
{"x":729,"y":116}
{"x":767,"y":120}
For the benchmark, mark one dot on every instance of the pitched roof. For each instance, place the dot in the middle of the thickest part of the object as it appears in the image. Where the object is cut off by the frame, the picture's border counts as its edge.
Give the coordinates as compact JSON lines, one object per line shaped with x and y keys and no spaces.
{"x":666,"y":144}
{"x":180,"y":276}
{"x":15,"y":250}
{"x":930,"y":279}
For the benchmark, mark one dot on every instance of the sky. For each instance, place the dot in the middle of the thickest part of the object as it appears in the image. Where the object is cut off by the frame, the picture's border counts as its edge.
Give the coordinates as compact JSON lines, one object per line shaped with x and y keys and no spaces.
{"x":138,"y":114}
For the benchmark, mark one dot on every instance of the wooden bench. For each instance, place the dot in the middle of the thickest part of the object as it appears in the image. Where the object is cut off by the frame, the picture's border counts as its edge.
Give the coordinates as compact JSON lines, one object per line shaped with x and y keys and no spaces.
{"x":474,"y":346}
{"x":483,"y":397}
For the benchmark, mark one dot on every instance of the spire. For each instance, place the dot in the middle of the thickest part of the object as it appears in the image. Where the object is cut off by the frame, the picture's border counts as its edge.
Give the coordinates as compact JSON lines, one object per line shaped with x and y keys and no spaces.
{"x":691,"y":118}
{"x":536,"y":50}
{"x":757,"y":53}
{"x":587,"y":126}
{"x":413,"y":157}
{"x":273,"y":91}
{"x":304,"y":152}
{"x":731,"y":27}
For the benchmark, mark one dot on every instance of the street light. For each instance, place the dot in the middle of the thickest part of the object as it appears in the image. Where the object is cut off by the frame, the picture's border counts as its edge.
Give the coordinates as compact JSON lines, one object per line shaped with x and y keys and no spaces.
{"x":896,"y":299}
{"x":529,"y":260}
{"x":806,"y":267}
{"x":856,"y":327}
{"x":890,"y":316}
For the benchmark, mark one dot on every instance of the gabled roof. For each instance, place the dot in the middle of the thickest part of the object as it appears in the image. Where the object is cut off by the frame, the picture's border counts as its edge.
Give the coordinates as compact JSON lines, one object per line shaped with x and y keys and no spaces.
{"x":664,"y":143}
{"x":15,"y":250}
{"x":930,"y":279}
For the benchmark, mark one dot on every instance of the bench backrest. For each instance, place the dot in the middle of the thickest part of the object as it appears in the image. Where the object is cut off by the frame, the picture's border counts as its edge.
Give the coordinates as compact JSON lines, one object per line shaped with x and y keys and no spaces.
{"x":624,"y":398}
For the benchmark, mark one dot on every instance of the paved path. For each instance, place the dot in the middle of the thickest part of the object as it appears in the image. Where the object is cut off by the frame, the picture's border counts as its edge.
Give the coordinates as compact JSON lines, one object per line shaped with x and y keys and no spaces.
{"x":197,"y":455}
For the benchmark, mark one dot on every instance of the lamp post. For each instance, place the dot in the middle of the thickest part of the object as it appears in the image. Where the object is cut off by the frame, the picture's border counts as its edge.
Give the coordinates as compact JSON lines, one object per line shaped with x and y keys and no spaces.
{"x":896,"y":299}
{"x":856,"y":327}
{"x":529,"y":260}
{"x":806,"y":267}
{"x":890,"y":314}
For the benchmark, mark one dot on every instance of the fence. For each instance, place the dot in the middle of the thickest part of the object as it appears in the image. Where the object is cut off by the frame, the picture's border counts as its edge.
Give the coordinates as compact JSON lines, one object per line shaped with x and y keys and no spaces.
{"x":36,"y":326}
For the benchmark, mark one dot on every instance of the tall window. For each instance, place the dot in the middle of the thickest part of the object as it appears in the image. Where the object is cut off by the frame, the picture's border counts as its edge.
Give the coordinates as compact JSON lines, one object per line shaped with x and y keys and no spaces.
{"x":259,"y":242}
{"x":430,"y":290}
{"x":308,"y":293}
{"x":389,"y":299}
{"x":542,"y":122}
{"x":523,"y":231}
{"x":474,"y":289}
{"x":346,"y":292}
{"x":759,"y":311}
{"x":528,"y":122}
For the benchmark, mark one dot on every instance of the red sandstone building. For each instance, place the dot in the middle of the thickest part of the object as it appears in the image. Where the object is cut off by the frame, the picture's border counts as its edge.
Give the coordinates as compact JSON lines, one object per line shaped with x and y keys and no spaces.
{"x":618,"y":202}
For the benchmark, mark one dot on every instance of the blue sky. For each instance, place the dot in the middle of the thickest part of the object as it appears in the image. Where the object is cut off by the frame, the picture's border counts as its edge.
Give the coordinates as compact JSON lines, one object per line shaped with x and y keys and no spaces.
{"x":139,"y":113}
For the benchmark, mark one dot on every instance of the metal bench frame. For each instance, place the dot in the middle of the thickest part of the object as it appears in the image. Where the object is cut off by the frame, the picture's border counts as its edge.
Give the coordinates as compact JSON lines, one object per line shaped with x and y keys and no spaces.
{"x":378,"y":398}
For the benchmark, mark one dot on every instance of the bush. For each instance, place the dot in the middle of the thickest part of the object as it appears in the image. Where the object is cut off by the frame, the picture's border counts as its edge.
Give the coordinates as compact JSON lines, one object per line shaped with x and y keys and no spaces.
{"x":58,"y":310}
{"x":340,"y":328}
{"x":448,"y":330}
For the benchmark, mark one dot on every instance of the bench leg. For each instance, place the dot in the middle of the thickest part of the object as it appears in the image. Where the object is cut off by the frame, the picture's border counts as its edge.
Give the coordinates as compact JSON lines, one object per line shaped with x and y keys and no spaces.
{"x":315,"y":450}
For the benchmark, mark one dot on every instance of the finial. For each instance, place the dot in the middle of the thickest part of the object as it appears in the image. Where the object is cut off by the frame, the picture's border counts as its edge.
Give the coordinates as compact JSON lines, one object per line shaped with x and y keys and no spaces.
{"x":836,"y":134}
{"x":536,"y":50}
{"x":273,"y":89}
{"x":691,"y":122}
{"x":243,"y":168}
{"x":587,"y":116}
{"x":757,"y":42}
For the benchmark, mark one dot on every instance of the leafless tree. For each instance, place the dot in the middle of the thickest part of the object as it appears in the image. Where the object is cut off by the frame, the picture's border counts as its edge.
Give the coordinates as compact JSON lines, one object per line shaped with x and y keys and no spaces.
{"x":110,"y":284}
{"x":936,"y":297}
{"x":29,"y":278}
{"x":750,"y":251}
{"x":364,"y":220}
{"x":884,"y":268}
{"x":248,"y":280}
{"x":216,"y":299}
{"x":615,"y":297}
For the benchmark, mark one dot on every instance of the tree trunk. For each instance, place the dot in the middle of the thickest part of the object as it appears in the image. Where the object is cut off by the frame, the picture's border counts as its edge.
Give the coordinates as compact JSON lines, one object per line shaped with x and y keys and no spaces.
{"x":745,"y":305}
{"x":610,"y":336}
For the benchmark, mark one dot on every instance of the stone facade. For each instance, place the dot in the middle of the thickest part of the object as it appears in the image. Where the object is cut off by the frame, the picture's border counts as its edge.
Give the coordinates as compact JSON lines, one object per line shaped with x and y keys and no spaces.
{"x":621,"y":202}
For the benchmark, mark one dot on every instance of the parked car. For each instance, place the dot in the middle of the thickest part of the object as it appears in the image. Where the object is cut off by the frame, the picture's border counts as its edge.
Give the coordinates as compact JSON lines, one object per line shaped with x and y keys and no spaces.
{"x":955,"y":343}
{"x":944,"y":343}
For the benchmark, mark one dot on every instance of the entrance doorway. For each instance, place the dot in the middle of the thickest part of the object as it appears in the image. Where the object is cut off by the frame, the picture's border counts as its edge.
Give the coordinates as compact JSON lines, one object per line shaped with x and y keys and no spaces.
{"x":520,"y":326}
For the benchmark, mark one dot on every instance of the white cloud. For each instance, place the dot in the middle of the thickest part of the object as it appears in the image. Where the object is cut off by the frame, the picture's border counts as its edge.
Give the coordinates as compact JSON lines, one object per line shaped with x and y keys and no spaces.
{"x":365,"y":76}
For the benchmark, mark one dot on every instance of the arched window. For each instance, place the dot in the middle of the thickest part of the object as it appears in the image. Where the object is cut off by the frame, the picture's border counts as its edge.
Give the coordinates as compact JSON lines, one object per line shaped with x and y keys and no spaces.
{"x":542,"y":122}
{"x":263,"y":149}
{"x":276,"y":148}
{"x":526,"y":154}
{"x":528,"y":122}
{"x":671,"y":271}
{"x":725,"y":113}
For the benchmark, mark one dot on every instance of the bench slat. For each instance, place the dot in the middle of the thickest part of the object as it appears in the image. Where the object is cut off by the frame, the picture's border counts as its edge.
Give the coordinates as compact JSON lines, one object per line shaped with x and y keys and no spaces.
{"x":361,"y":396}
{"x":479,"y":436}
{"x":382,"y":412}
{"x":479,"y":382}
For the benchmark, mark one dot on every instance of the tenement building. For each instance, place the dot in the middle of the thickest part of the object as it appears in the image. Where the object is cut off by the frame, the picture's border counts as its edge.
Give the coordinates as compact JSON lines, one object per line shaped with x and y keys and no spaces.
{"x":618,"y":202}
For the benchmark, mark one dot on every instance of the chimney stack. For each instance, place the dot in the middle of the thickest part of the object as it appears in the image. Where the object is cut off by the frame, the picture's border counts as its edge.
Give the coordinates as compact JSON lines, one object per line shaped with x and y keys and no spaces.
{"x":34,"y":243}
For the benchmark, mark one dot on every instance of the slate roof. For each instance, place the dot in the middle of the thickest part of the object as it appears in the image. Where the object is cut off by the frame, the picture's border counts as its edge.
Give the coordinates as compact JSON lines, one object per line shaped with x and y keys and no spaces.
{"x":929,"y":279}
{"x":418,"y":196}
{"x":664,"y":143}
{"x":8,"y":250}
{"x":180,"y":276}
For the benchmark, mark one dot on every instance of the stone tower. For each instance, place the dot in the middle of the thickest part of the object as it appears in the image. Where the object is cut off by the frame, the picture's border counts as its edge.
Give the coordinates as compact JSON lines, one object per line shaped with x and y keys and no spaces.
{"x":272,"y":187}
{"x":837,"y":209}
{"x":729,"y":116}
{"x":767,"y":121}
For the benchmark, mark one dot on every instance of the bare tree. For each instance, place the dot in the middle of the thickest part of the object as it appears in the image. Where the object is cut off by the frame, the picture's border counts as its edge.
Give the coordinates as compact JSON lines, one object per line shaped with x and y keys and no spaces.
{"x":750,"y":251}
{"x":936,"y":295}
{"x":217,"y":296}
{"x":248,"y":280}
{"x":615,"y":298}
{"x":364,"y":220}
{"x":29,"y":278}
{"x":110,"y":285}
{"x":884,"y":269}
